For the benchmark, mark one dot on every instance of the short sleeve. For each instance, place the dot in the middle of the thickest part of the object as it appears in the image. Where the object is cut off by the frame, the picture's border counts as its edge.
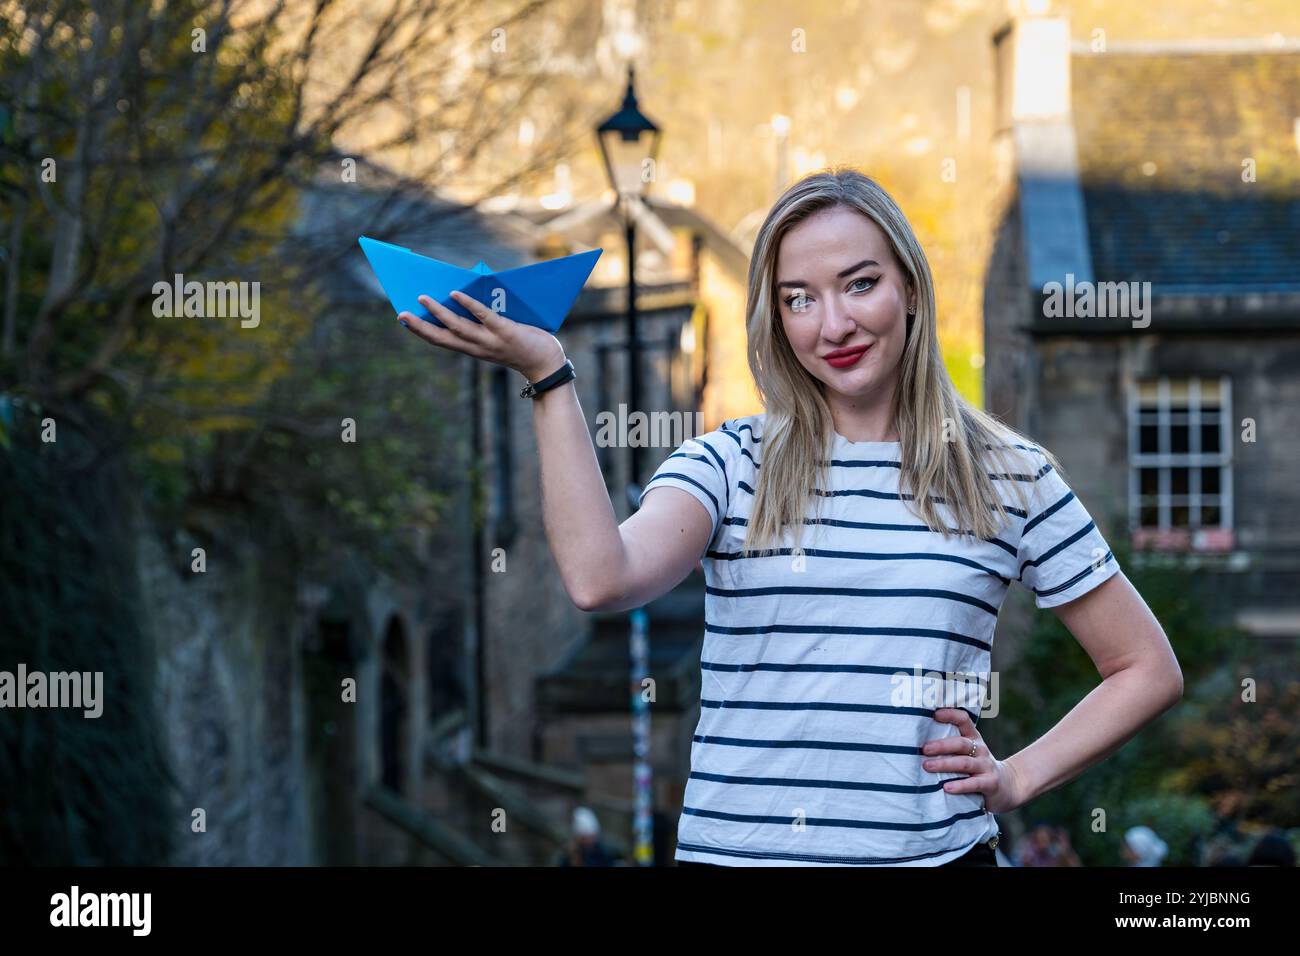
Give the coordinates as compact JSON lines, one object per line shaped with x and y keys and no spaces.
{"x":1062,"y":554}
{"x":701,"y":467}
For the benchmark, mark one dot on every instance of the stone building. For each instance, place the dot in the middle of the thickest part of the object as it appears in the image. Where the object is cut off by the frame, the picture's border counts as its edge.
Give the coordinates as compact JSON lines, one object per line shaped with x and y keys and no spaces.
{"x":1142,"y":300}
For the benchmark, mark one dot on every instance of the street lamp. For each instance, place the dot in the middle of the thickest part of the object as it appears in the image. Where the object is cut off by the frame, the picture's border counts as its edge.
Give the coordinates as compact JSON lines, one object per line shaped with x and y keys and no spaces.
{"x":629,"y":143}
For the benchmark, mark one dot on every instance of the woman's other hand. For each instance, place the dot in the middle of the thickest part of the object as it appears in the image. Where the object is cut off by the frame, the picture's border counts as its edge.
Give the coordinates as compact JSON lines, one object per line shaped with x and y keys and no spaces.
{"x":995,"y":779}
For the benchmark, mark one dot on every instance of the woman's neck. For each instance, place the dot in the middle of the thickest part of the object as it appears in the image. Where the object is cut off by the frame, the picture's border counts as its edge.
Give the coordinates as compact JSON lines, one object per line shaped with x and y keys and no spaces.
{"x":869,"y":425}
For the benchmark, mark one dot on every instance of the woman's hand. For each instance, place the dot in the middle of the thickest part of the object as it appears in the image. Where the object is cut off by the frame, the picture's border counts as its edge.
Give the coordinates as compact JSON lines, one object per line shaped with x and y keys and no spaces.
{"x":533,"y":352}
{"x":995,"y":779}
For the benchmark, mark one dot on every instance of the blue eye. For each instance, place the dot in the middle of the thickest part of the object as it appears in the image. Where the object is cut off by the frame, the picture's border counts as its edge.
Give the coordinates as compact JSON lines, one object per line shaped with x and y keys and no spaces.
{"x":790,"y":300}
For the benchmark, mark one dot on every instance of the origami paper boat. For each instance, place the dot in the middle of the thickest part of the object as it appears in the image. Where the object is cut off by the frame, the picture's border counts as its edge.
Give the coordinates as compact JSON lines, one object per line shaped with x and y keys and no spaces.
{"x":540,"y":293}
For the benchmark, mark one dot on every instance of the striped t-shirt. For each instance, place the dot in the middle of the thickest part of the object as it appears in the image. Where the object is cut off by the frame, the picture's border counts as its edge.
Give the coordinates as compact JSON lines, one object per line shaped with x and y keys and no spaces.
{"x":820,"y":673}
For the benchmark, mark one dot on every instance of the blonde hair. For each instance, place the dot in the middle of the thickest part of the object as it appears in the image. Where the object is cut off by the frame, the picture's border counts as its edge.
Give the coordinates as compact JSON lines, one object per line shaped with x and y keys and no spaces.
{"x":798,"y":428}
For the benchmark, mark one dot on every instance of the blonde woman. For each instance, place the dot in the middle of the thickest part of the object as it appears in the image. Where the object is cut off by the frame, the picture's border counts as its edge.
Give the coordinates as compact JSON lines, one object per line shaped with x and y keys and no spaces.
{"x":858,"y":538}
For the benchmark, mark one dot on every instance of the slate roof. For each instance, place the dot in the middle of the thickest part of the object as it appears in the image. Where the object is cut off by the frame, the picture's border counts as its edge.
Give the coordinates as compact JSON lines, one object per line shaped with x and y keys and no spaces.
{"x":1189,"y":224}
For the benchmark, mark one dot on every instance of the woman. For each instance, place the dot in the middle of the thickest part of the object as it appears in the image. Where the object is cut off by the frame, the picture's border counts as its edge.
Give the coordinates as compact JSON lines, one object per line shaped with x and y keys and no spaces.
{"x":823,"y":738}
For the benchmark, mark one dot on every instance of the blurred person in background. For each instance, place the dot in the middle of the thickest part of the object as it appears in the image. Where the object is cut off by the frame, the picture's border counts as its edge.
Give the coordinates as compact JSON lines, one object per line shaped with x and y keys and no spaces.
{"x":1273,"y":849}
{"x":1142,"y":847}
{"x":1047,"y":845}
{"x":586,"y":848}
{"x":1225,"y":846}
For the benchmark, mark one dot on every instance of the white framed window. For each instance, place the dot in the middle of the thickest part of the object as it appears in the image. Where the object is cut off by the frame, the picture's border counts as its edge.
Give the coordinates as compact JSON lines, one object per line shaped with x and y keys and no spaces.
{"x":1180,"y":463}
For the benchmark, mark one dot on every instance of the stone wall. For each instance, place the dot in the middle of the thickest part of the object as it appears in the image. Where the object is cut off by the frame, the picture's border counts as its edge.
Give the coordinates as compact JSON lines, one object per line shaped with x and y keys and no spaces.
{"x":256,"y":737}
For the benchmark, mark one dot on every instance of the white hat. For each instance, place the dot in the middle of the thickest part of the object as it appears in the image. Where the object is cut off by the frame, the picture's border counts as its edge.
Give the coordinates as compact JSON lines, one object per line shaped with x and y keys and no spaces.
{"x":585,"y":823}
{"x":1146,"y":846}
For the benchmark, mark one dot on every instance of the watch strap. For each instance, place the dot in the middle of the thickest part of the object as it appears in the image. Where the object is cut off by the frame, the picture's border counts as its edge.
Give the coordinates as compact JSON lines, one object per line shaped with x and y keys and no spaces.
{"x":565,"y":373}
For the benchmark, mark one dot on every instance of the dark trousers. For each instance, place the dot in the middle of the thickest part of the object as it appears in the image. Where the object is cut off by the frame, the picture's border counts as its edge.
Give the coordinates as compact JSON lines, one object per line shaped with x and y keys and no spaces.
{"x":981,"y":854}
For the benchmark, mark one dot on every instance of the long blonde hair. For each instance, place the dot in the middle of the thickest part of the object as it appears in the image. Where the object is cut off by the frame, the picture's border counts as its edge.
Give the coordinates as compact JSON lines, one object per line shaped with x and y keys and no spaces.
{"x":798,"y":427}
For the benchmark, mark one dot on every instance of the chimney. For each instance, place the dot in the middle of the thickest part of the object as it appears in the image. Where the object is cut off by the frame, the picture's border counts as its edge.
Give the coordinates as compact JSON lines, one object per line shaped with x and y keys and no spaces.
{"x":1032,"y":60}
{"x":1035,"y":154}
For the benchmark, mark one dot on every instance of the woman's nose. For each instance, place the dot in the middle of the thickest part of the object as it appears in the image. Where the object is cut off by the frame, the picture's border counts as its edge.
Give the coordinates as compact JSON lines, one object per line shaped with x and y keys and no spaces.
{"x":837,"y":323}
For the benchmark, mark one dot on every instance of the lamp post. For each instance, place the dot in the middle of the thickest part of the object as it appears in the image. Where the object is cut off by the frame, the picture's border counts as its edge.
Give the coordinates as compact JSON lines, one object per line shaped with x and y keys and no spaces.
{"x":629,"y":143}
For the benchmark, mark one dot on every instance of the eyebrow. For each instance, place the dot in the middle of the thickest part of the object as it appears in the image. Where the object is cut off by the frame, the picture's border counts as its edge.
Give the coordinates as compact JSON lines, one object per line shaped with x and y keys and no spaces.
{"x":799,"y":283}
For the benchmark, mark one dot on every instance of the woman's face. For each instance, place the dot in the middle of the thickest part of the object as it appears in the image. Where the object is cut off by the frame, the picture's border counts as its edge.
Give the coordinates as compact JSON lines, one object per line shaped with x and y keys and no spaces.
{"x":839,"y":287}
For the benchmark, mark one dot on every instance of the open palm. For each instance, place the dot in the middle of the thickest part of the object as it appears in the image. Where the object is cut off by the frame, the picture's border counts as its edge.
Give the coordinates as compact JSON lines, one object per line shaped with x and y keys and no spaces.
{"x":531,"y":351}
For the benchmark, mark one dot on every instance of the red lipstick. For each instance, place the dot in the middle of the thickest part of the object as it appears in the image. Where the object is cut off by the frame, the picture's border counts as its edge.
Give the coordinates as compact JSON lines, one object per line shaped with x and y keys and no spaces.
{"x":844,"y":358}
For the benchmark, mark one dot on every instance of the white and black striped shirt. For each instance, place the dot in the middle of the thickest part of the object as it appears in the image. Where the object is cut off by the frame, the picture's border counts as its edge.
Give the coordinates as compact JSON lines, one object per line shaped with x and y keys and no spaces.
{"x":812,"y":709}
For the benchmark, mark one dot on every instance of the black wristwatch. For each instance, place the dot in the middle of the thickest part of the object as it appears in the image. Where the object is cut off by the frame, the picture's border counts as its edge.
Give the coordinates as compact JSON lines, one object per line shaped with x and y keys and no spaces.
{"x":564,"y":374}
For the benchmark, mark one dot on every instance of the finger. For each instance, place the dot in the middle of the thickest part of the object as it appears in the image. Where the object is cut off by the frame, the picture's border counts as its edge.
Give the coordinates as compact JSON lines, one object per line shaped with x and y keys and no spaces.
{"x":477,"y":309}
{"x":960,"y":718}
{"x":422,"y":329}
{"x":454,"y":322}
{"x":980,"y":783}
{"x":434,"y":335}
{"x":457,"y":324}
{"x":953,"y":764}
{"x":954,"y":745}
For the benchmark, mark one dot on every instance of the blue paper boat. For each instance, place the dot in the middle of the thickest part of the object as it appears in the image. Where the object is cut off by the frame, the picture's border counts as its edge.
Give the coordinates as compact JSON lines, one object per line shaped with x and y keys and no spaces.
{"x":540,"y":293}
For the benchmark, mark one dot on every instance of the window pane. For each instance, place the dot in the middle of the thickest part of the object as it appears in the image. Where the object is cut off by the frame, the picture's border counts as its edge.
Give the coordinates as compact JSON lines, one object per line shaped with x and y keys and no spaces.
{"x":1211,"y":516}
{"x":1180,"y":481}
{"x":1209,"y":481}
{"x":1148,"y":442}
{"x":1179,"y":516}
{"x":1149,"y":481}
{"x":1149,"y":516}
{"x":1210,"y":439}
{"x":1178,"y":439}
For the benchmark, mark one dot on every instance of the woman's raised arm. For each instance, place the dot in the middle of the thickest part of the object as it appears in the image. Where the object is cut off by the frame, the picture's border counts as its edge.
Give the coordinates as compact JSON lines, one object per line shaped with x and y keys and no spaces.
{"x":603,"y":566}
